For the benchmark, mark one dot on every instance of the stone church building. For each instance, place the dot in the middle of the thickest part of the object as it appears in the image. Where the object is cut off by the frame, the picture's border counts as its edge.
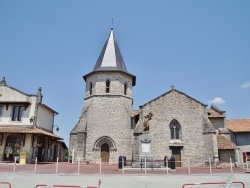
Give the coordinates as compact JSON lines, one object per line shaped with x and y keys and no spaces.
{"x":172,"y":124}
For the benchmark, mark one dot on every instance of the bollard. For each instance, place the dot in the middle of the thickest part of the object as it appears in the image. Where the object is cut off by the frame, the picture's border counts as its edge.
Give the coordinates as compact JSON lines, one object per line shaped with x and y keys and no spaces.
{"x":78,"y":165}
{"x":231,"y":165}
{"x":35,"y":165}
{"x":247,"y":164}
{"x":210,"y":168}
{"x":188,"y":166}
{"x":56,"y":165}
{"x":14,"y":165}
{"x":120,"y":162}
{"x":145,"y":160}
{"x":73,"y":155}
{"x":100,"y":165}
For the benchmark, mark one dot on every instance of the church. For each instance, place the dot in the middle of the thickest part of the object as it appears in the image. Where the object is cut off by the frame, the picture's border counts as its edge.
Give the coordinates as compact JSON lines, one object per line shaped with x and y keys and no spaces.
{"x":172,"y":124}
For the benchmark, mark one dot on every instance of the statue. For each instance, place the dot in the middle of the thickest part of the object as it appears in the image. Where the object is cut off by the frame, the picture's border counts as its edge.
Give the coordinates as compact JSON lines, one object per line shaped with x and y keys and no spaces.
{"x":147,"y":118}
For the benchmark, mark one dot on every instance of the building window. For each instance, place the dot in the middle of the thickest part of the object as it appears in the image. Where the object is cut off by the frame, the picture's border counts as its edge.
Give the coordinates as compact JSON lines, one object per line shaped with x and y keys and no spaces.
{"x":125,"y":89}
{"x":1,"y":111}
{"x":175,"y":130}
{"x":90,"y":88}
{"x":107,"y":86}
{"x":13,"y":146}
{"x":17,"y":113}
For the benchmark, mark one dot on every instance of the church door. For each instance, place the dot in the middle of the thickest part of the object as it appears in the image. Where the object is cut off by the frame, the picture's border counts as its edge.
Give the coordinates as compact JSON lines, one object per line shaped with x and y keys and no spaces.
{"x":105,"y":153}
{"x":176,"y":152}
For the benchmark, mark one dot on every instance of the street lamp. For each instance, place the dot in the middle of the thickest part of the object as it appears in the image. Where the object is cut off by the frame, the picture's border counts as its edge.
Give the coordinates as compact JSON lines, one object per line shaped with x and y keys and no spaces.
{"x":57,"y":128}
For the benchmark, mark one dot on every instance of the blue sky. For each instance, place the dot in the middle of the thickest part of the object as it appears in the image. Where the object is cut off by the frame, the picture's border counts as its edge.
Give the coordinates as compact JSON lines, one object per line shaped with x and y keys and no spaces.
{"x":200,"y":47}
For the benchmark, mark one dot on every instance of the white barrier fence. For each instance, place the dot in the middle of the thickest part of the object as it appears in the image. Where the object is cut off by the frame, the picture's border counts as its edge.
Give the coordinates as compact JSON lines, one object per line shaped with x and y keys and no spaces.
{"x":147,"y":165}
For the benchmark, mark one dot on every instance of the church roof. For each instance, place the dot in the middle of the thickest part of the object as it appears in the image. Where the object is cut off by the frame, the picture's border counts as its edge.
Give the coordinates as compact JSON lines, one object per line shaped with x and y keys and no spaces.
{"x":238,"y":125}
{"x":110,"y":58}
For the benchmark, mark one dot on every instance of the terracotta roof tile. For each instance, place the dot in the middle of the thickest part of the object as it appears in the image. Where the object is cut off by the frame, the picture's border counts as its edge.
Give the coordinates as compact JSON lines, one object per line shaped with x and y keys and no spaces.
{"x":27,"y":130}
{"x":238,"y":125}
{"x":224,"y":143}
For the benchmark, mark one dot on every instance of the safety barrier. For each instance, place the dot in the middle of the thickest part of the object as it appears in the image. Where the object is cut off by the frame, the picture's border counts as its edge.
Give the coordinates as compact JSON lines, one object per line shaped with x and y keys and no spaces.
{"x":215,"y":183}
{"x":6,"y":183}
{"x":70,"y":186}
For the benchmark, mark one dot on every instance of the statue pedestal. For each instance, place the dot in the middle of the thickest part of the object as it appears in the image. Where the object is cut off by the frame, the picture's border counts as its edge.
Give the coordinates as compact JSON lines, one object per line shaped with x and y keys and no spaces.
{"x":145,"y":149}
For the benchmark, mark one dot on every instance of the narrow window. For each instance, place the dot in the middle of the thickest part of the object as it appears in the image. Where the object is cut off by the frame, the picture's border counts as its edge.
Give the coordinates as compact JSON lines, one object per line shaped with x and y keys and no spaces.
{"x":175,"y":129}
{"x":90,"y":88}
{"x":107,"y":86}
{"x":17,"y":113}
{"x":125,"y":89}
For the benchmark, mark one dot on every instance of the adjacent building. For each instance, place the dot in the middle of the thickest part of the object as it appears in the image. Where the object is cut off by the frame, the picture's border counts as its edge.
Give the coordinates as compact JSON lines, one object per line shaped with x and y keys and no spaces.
{"x":240,"y":135}
{"x":26,"y":126}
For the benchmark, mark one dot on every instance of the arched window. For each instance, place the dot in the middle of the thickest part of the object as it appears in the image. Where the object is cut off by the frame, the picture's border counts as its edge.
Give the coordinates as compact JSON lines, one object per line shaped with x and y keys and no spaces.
{"x":175,"y":129}
{"x":125,"y":89}
{"x":107,"y":86}
{"x":90,"y":88}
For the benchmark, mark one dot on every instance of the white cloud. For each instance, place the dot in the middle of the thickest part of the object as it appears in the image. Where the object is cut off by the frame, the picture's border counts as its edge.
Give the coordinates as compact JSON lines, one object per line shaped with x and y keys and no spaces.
{"x":216,"y":100}
{"x":245,"y":85}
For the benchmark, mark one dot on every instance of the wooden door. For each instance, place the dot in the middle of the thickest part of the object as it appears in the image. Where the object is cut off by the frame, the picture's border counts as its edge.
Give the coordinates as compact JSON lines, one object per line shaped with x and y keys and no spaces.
{"x":176,"y":152}
{"x":105,"y":153}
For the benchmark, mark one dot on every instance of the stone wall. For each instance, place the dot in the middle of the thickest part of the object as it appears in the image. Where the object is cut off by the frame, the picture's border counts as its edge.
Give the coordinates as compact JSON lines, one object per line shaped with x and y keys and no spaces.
{"x":217,"y":122}
{"x":117,"y":81}
{"x":189,"y":113}
{"x":105,"y":115}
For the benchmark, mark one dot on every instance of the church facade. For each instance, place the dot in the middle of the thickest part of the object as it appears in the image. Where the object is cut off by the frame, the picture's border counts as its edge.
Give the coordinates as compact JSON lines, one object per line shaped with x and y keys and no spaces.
{"x":172,"y":124}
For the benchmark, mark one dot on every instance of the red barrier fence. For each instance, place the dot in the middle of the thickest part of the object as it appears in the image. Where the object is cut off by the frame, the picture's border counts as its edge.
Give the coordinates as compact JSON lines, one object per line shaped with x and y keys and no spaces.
{"x":6,"y":183}
{"x":213,"y":183}
{"x":70,"y":186}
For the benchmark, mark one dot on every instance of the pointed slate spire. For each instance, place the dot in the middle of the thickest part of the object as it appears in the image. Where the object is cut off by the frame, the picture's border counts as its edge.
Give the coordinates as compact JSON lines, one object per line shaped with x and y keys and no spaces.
{"x":110,"y":58}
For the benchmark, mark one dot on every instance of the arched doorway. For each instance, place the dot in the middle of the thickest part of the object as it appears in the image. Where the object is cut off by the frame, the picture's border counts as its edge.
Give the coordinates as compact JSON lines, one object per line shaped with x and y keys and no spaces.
{"x":13,"y":147}
{"x":105,"y":152}
{"x":105,"y":148}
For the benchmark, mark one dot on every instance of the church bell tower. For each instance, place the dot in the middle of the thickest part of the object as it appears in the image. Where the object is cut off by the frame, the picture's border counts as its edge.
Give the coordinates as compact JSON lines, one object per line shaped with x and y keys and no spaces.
{"x":104,"y":127}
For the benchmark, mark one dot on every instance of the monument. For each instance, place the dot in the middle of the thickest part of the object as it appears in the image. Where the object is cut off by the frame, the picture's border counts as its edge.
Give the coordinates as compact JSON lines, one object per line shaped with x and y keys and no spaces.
{"x":145,"y":139}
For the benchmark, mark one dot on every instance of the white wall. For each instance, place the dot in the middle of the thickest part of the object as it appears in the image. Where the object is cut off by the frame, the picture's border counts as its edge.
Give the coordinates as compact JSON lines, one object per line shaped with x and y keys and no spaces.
{"x":11,"y":95}
{"x":45,"y":118}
